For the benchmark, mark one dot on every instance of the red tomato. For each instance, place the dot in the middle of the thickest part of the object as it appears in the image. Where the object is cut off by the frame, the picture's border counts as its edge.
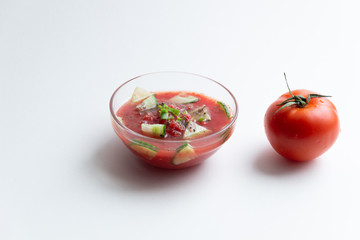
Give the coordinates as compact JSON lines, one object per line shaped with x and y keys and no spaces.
{"x":302,"y":133}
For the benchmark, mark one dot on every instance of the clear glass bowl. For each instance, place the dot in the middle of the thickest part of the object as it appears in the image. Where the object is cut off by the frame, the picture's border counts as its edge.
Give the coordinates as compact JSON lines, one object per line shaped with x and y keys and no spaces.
{"x":173,"y":81}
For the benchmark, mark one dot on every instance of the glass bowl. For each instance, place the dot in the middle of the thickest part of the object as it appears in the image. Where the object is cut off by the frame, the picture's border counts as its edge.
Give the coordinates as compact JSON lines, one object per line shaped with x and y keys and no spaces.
{"x":165,"y":149}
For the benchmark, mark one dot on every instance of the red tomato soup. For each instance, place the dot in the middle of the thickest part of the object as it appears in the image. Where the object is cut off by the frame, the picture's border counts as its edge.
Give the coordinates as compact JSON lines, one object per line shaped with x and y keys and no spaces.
{"x":176,"y":118}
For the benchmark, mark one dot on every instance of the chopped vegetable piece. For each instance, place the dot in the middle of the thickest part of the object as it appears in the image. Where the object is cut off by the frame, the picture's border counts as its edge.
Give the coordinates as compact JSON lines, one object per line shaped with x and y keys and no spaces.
{"x":165,"y":110}
{"x":144,"y":149}
{"x":163,"y":107}
{"x":183,"y":154}
{"x":164,"y":114}
{"x":148,"y":103}
{"x":139,"y":94}
{"x":179,"y":99}
{"x":201,"y":114}
{"x":193,"y":130}
{"x":174,"y":111}
{"x":157,"y":130}
{"x":225,"y":108}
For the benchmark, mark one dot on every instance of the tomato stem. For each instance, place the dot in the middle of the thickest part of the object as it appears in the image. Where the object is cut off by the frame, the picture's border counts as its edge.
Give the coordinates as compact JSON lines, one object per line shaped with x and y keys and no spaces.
{"x":298,"y":100}
{"x":287,"y":84}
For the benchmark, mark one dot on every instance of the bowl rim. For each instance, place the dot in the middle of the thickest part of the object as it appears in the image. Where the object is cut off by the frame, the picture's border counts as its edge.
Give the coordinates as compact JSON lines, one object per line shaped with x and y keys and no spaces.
{"x":151,"y":139}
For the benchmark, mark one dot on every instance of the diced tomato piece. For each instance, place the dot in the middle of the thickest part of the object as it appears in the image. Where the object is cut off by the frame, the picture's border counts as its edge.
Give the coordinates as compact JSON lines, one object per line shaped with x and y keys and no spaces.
{"x":150,"y":117}
{"x":174,"y":128}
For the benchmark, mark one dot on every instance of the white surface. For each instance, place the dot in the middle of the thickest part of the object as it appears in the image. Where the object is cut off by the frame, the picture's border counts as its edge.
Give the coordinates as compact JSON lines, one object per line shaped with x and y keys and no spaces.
{"x":65,"y":175}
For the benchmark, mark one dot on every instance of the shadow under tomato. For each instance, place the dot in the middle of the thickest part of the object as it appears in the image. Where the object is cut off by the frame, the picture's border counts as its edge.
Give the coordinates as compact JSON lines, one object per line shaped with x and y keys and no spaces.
{"x":270,"y":162}
{"x":122,"y":168}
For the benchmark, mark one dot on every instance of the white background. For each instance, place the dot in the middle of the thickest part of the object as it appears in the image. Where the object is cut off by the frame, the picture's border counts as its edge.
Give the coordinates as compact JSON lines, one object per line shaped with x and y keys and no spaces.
{"x":65,"y":175}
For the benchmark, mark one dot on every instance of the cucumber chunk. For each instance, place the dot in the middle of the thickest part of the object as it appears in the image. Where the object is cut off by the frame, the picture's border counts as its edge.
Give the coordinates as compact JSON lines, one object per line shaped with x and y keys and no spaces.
{"x":225,"y":108}
{"x":194,"y":130}
{"x":181,"y":99}
{"x":148,"y":103}
{"x":145,"y":149}
{"x":139,"y":94}
{"x":183,"y":154}
{"x":201,"y":114}
{"x":157,"y":130}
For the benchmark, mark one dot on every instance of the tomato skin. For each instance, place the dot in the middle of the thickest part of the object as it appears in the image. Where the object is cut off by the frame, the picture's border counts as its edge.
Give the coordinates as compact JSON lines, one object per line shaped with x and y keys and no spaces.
{"x":302,"y":134}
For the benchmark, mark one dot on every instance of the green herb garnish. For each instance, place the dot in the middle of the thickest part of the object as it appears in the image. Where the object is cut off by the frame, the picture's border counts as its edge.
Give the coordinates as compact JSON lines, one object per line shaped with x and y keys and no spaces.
{"x":173,"y":111}
{"x":164,"y":114}
{"x":165,"y":109}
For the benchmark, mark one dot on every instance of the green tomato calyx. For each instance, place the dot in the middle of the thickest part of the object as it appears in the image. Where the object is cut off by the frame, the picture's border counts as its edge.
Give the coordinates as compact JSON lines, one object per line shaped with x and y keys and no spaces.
{"x":298,"y":100}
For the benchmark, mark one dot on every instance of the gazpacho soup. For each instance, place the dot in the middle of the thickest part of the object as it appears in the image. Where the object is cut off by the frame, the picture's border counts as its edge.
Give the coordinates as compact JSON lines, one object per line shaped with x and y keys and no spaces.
{"x":177,"y":120}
